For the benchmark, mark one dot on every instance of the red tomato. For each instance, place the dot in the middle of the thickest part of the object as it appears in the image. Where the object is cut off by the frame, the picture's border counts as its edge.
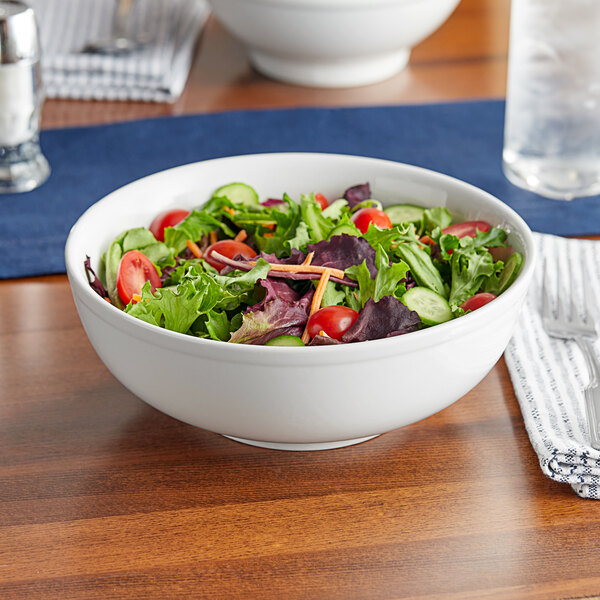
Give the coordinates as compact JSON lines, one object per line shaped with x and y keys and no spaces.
{"x":228,"y":248}
{"x":365,"y":216}
{"x":169,"y":218}
{"x":333,"y":320}
{"x":469,"y":228}
{"x":134,"y":270}
{"x":477,"y":301}
{"x":322,"y":201}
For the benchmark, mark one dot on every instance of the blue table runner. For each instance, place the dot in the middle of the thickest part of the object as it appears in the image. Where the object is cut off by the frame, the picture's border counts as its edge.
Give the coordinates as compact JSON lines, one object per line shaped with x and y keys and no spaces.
{"x":462,"y":139}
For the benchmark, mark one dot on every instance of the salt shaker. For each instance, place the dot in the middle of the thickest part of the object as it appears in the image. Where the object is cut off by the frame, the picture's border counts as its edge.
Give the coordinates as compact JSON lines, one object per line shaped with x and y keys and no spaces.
{"x":23,"y":167}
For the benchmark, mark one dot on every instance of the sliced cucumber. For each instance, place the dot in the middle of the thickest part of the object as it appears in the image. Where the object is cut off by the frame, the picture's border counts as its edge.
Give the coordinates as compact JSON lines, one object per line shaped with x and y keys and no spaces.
{"x":344,"y":228}
{"x":431,"y":307}
{"x":285,"y":340}
{"x":510,"y":271}
{"x":404,"y":213}
{"x":238,"y":193}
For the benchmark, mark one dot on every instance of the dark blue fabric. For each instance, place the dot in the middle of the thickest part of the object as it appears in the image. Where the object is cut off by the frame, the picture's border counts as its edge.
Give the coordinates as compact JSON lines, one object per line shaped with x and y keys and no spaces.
{"x":460,"y":139}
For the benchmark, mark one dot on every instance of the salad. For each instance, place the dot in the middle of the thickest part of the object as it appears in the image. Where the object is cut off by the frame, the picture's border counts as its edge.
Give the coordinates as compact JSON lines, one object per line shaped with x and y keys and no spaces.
{"x":312,"y":272}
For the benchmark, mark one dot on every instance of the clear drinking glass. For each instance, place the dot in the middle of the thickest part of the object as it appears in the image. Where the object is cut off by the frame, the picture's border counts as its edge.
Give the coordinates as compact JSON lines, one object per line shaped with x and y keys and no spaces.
{"x":552,"y":121}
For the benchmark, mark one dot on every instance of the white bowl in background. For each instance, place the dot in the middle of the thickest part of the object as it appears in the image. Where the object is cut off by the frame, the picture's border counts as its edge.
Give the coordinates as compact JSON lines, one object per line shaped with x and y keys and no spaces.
{"x":295,"y":398}
{"x":331,"y":43}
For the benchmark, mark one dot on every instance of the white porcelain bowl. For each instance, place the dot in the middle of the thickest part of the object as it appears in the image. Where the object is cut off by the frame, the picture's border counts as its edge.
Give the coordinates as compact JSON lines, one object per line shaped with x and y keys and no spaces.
{"x":295,"y":398}
{"x":331,"y":43}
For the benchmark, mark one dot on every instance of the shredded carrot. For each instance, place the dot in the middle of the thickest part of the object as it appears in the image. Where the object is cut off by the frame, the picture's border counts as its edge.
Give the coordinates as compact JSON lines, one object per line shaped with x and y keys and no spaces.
{"x":268,"y":235}
{"x":108,"y":299}
{"x":308,"y":258}
{"x":195,"y":250}
{"x":213,"y":237}
{"x":269,"y":225}
{"x":320,"y":291}
{"x":305,"y":336}
{"x":317,"y":299}
{"x":241,"y":236}
{"x":229,"y":210}
{"x":304,"y":269}
{"x":136,"y":297}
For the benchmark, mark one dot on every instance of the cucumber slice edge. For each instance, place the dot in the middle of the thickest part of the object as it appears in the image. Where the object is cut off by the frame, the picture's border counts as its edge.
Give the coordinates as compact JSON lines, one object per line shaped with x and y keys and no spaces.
{"x":285,"y":340}
{"x":432,"y":308}
{"x":238,"y":193}
{"x":510,"y":272}
{"x":404,"y":213}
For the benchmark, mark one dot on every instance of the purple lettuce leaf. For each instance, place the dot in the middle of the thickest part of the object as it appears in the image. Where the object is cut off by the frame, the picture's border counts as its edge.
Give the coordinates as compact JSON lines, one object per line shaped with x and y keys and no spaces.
{"x":296,"y":258}
{"x":93,"y":280}
{"x":272,"y":202}
{"x":409,"y":280}
{"x":231,"y":264}
{"x":323,"y":340}
{"x":357,"y":194}
{"x":277,"y":317}
{"x":386,"y":318}
{"x":275,"y":289}
{"x":343,"y":251}
{"x":168,"y":271}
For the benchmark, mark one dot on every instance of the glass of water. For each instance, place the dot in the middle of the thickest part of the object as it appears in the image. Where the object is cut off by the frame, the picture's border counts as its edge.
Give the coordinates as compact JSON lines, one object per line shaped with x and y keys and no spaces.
{"x":552,"y":121}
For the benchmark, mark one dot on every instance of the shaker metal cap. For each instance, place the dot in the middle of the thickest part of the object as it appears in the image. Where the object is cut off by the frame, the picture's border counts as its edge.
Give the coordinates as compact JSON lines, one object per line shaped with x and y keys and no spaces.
{"x":19,"y":38}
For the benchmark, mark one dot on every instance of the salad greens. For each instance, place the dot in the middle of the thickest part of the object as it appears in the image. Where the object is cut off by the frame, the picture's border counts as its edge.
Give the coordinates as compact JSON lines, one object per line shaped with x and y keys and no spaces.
{"x":237,"y":270}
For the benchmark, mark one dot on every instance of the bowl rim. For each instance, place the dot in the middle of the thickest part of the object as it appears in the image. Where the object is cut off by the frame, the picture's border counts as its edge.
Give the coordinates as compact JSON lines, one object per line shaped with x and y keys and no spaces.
{"x":343,"y":4}
{"x":181,"y":342}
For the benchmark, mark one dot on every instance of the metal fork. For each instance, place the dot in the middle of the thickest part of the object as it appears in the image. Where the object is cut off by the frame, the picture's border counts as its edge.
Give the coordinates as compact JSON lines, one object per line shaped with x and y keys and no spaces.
{"x":577,"y":324}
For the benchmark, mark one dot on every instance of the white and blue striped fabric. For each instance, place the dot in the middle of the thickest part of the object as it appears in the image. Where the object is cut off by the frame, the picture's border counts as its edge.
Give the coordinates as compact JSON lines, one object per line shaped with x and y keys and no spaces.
{"x":156,"y":72}
{"x":549,"y":374}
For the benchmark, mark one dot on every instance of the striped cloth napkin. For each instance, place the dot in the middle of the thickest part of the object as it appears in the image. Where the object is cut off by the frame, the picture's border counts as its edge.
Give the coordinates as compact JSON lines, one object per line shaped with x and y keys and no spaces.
{"x":156,"y":72}
{"x":549,"y":374}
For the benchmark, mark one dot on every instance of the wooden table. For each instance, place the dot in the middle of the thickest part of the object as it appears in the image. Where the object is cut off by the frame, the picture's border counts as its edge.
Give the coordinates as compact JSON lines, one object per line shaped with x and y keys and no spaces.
{"x":103,"y":497}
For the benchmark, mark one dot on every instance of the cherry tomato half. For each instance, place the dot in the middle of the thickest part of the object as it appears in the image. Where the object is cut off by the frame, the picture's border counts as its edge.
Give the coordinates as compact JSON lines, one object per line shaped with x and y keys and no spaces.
{"x":477,"y":301}
{"x":169,"y":218}
{"x":333,"y":320}
{"x":322,"y":201}
{"x":228,"y":248}
{"x":469,"y":228}
{"x":134,"y":270}
{"x":365,"y":216}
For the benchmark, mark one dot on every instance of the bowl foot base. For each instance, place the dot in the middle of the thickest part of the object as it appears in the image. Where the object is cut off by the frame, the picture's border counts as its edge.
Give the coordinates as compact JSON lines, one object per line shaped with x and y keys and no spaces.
{"x":302,"y":447}
{"x":331,"y":73}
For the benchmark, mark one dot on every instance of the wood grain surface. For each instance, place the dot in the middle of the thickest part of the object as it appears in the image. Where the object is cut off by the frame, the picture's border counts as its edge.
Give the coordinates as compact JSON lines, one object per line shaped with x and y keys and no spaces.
{"x":103,"y":497}
{"x":465,"y":58}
